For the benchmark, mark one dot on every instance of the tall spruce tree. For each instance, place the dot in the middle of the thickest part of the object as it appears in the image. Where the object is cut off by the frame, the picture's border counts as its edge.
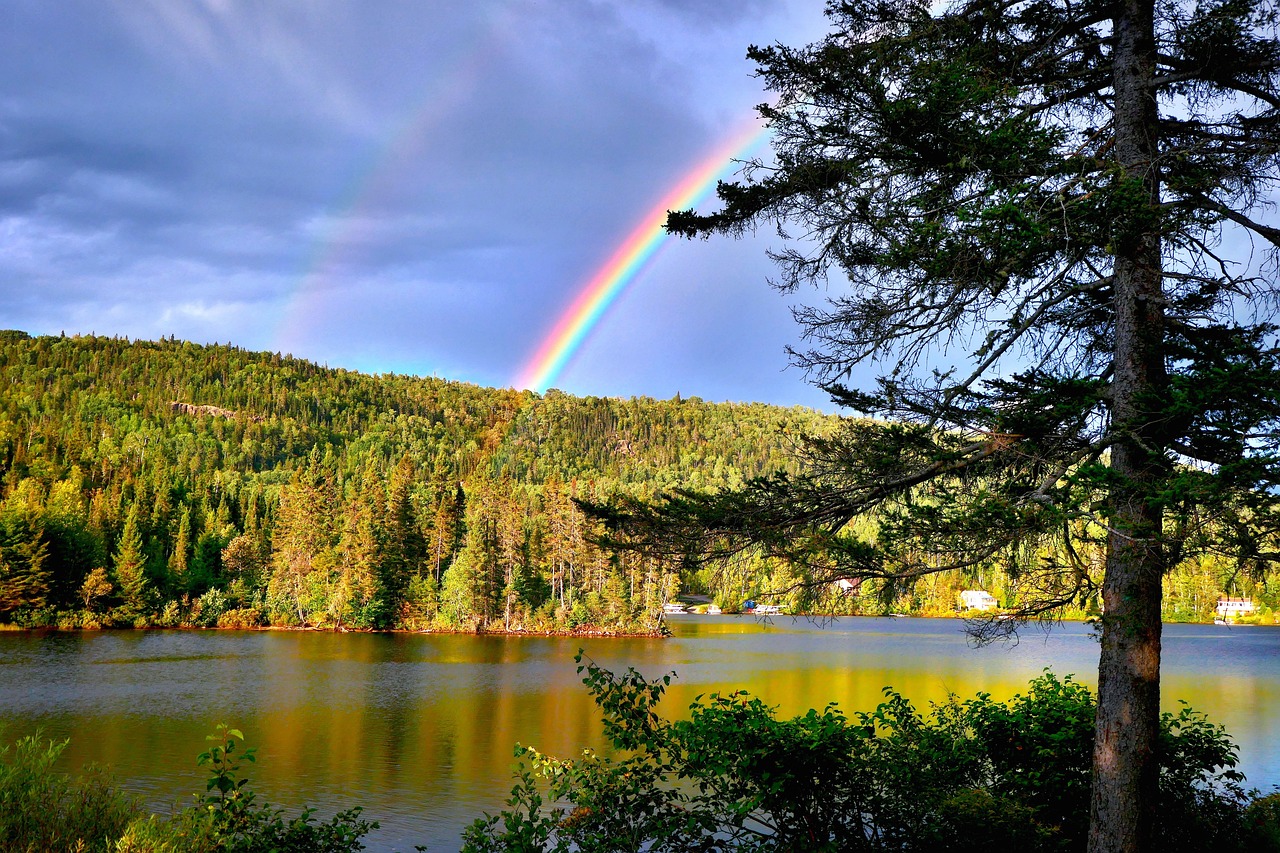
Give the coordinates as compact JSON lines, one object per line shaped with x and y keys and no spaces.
{"x":1039,"y":216}
{"x":24,"y":577}
{"x":130,"y":569}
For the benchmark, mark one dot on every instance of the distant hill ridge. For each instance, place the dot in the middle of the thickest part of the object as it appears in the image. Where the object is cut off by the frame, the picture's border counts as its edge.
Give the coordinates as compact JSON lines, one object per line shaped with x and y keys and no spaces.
{"x":170,"y":483}
{"x":210,"y":445}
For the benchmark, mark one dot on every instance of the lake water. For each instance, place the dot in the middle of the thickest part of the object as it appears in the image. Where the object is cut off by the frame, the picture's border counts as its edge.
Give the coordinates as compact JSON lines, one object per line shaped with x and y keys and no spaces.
{"x":419,"y":729}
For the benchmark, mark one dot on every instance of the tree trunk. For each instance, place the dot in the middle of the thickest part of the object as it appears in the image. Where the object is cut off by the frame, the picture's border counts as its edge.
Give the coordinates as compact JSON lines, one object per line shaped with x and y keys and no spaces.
{"x":1124,"y":767}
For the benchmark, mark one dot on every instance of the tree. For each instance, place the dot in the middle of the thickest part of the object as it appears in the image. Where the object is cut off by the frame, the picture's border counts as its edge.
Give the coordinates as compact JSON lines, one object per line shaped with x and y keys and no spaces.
{"x":130,"y":566}
{"x":96,"y":586}
{"x":244,"y":559}
{"x":24,"y":579}
{"x":357,"y":594}
{"x":406,"y":547}
{"x":1031,"y":203}
{"x":179,"y":557}
{"x":968,"y":776}
{"x":302,"y":537}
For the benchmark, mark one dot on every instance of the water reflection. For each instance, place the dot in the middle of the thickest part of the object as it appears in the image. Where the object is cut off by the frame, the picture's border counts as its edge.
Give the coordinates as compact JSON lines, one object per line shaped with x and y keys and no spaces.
{"x":420,"y":729}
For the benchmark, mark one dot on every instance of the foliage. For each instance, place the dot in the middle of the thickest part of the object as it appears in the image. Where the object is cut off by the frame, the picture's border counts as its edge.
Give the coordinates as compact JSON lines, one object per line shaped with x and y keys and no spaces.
{"x":24,"y":579}
{"x":970,"y":775}
{"x":494,"y":478}
{"x":43,"y":810}
{"x":163,"y":483}
{"x":242,"y":825}
{"x":1035,"y":220}
{"x":1262,"y":818}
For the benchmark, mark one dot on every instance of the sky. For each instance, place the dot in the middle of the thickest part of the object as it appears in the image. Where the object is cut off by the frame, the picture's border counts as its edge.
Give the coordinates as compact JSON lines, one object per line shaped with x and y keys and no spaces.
{"x":412,"y":187}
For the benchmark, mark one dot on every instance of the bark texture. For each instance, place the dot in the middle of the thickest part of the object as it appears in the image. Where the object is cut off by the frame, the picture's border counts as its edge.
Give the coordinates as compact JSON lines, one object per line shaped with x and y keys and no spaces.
{"x":1124,"y":769}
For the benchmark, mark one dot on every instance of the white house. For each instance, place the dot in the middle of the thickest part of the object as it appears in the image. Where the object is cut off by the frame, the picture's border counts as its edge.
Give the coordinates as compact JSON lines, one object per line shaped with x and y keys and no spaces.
{"x":1234,"y":606}
{"x":977,"y":599}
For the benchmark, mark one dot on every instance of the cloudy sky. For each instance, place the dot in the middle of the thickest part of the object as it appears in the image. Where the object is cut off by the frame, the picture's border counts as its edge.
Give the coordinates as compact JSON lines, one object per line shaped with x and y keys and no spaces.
{"x":419,"y":187}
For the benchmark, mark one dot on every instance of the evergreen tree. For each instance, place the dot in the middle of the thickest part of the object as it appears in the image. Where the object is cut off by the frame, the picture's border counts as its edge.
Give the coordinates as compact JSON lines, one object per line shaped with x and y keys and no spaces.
{"x":405,"y":549}
{"x":1051,"y":182}
{"x":130,"y":567}
{"x":24,"y":578}
{"x":360,"y":597}
{"x":302,"y":537}
{"x":179,"y":557}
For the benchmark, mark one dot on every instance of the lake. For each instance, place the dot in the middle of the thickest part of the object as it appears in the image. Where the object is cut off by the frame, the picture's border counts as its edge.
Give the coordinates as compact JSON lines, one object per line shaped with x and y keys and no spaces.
{"x":419,"y":729}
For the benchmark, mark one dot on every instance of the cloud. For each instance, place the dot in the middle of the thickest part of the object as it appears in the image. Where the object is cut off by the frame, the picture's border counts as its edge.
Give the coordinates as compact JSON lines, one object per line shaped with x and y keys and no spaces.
{"x":432,"y":182}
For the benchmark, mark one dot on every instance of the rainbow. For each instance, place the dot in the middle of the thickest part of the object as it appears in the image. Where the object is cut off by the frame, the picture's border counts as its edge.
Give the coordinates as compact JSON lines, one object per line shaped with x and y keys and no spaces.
{"x":343,"y":234}
{"x":576,"y":322}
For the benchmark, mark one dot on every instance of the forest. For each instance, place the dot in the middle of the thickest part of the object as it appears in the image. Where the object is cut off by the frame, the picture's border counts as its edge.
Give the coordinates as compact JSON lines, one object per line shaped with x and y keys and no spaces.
{"x":170,"y":484}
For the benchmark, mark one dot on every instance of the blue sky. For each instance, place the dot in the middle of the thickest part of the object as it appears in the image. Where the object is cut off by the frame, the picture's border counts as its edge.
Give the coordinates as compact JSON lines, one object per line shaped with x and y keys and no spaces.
{"x":417,"y":187}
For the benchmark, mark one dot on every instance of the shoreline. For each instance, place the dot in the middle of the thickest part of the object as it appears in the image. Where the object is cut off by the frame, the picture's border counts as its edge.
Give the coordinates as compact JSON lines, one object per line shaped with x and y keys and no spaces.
{"x":596,"y":632}
{"x":662,"y":632}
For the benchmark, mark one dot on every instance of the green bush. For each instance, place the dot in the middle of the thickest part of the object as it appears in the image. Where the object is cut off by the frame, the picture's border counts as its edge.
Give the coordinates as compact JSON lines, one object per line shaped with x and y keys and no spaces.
{"x":241,"y":618}
{"x":1262,"y":823}
{"x":970,"y":775}
{"x":41,"y":809}
{"x":977,"y":821}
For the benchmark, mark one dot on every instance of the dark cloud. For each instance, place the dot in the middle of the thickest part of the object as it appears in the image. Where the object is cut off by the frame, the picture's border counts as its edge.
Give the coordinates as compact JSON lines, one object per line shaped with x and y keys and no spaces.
{"x":400,"y":186}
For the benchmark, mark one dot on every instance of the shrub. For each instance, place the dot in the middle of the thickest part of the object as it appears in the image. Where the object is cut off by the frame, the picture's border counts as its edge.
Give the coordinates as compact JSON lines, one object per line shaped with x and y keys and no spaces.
{"x":1262,"y":825}
{"x":209,"y":608}
{"x":970,"y":775}
{"x":241,"y":617}
{"x":1262,"y":822}
{"x":41,"y":809}
{"x":241,"y":825}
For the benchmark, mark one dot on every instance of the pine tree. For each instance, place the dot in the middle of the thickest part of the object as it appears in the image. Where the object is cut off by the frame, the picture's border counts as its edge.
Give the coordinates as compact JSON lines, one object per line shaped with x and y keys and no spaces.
{"x":406,"y":547}
{"x":24,"y":577}
{"x":130,"y":567}
{"x":1048,"y":183}
{"x":179,"y":557}
{"x":302,"y":537}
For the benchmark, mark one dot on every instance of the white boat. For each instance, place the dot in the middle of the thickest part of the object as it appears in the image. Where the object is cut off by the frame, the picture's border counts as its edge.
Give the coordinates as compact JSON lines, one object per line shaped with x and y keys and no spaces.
{"x":768,"y":610}
{"x":673,"y":607}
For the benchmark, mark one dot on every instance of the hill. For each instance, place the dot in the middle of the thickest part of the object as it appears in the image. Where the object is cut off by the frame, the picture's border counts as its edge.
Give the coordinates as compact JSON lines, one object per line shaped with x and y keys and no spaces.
{"x":167,"y":483}
{"x":171,"y":484}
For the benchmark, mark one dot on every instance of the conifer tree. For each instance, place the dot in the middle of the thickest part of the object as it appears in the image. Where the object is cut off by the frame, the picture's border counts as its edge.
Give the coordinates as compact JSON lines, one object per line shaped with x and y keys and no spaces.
{"x":130,"y":566}
{"x":302,"y":537}
{"x":1030,"y":215}
{"x":406,"y":548}
{"x":24,"y":577}
{"x":179,"y":557}
{"x":357,"y":594}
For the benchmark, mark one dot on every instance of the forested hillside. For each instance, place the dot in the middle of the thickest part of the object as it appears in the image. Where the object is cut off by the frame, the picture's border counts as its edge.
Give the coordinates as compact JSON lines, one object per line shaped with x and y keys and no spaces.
{"x":166,"y":483}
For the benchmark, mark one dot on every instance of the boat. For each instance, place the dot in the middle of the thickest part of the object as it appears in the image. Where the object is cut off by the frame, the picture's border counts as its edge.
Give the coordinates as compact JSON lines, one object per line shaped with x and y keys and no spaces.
{"x":673,"y":607}
{"x":768,"y":610}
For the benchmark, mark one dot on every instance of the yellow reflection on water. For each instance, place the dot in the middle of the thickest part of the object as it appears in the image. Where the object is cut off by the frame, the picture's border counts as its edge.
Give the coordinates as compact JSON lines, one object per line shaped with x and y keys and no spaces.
{"x":420,"y":729}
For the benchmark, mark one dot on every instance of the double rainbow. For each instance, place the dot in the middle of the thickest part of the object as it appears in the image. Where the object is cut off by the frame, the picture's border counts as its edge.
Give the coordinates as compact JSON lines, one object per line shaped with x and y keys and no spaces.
{"x":577,"y":321}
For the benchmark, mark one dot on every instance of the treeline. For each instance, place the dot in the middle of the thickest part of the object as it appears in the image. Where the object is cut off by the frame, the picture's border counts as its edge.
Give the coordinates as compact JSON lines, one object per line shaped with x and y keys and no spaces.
{"x":171,"y":484}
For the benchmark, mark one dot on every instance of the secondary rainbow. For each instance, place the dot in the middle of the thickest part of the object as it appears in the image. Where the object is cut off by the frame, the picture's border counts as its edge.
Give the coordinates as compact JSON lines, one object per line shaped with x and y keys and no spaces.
{"x":592,"y":302}
{"x":345,"y":233}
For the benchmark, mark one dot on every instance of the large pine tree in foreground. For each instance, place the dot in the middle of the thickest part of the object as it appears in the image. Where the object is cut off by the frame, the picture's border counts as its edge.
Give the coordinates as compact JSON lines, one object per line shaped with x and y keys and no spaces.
{"x":1047,"y":218}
